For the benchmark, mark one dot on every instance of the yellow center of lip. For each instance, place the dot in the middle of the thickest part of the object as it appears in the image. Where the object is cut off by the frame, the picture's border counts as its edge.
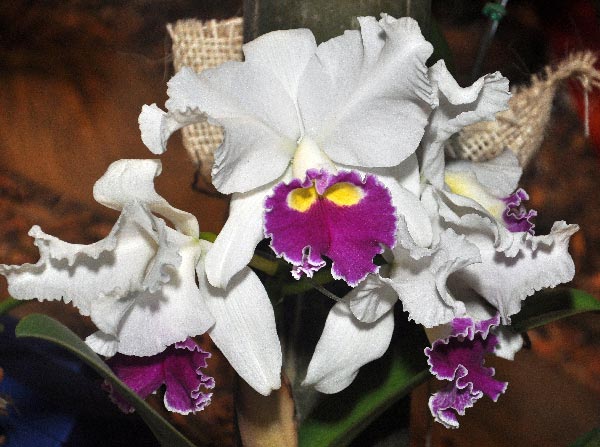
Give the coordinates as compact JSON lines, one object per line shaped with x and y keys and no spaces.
{"x":468,"y":186}
{"x":341,"y":194}
{"x":344,"y":194}
{"x":302,"y":199}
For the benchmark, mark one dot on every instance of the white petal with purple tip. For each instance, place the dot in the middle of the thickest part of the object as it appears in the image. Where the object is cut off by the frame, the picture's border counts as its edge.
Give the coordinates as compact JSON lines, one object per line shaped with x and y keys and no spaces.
{"x":169,"y":315}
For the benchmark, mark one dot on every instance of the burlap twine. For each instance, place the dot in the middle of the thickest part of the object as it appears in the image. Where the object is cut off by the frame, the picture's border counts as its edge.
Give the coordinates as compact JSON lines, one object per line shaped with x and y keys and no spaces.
{"x":202,"y":45}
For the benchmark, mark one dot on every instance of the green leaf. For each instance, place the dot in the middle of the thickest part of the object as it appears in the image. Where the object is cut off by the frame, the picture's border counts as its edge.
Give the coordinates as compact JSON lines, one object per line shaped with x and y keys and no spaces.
{"x":591,"y":439}
{"x":340,"y":417}
{"x":550,"y":305}
{"x":46,"y":328}
{"x":8,"y":304}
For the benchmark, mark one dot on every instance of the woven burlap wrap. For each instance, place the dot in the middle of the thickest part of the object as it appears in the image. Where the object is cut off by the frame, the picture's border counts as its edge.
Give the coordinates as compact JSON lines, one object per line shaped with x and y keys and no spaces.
{"x":521,"y":128}
{"x":202,"y":45}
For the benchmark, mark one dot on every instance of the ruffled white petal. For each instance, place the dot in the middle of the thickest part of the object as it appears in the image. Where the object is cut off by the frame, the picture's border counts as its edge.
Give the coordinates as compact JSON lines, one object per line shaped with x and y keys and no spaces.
{"x":361,"y":82}
{"x":372,"y":298}
{"x":421,"y":283}
{"x":345,"y":346}
{"x":471,"y":219}
{"x":256,"y":111}
{"x":133,"y":180}
{"x":235,"y":244}
{"x":157,"y":126}
{"x":245,"y":330}
{"x":137,"y":285}
{"x":458,"y":107}
{"x":80,"y":273}
{"x":161,"y":318}
{"x":532,"y":263}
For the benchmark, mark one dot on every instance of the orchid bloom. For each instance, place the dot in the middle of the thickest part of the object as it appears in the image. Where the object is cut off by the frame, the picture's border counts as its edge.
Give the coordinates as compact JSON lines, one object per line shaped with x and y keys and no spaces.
{"x":296,"y":117}
{"x":481,"y":258}
{"x":144,"y":285}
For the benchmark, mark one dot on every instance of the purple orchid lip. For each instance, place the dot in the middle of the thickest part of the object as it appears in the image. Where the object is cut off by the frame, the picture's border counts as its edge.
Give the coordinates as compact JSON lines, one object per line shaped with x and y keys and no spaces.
{"x":179,"y":367}
{"x":516,"y":216}
{"x":459,"y":358}
{"x":340,"y":216}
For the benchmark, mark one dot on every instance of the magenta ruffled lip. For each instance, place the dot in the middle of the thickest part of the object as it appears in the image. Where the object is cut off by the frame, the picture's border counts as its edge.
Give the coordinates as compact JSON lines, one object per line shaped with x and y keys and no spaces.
{"x":351,"y":235}
{"x":179,"y":368}
{"x":459,"y":358}
{"x":516,"y":217}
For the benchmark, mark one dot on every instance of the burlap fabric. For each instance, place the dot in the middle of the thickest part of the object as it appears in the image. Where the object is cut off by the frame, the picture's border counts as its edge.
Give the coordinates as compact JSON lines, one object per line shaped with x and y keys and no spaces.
{"x":521,"y":128}
{"x":202,"y":45}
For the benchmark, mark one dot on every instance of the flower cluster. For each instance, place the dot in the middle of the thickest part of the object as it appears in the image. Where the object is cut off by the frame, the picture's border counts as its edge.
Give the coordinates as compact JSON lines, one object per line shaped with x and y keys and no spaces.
{"x":333,"y":152}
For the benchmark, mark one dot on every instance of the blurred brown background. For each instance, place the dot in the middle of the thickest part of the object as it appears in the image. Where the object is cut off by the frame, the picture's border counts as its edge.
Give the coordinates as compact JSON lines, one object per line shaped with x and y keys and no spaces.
{"x":74,"y":75}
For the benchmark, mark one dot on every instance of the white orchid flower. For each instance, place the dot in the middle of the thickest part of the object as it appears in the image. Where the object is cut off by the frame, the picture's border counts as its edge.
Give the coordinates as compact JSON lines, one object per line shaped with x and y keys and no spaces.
{"x":357,"y":102}
{"x":482,"y":259}
{"x":144,"y":285}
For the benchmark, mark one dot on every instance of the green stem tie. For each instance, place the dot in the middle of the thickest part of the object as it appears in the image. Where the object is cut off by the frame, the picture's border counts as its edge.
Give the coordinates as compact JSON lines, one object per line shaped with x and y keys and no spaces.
{"x":495,"y":11}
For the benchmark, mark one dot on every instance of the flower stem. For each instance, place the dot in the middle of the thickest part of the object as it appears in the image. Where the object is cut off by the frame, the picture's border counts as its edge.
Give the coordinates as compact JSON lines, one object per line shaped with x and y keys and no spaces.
{"x":268,"y":266}
{"x":305,"y":284}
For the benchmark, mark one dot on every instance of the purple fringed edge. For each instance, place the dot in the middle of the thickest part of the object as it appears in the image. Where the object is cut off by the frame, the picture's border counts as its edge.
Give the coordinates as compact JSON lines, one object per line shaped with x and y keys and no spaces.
{"x":516,"y":216}
{"x":179,"y":367}
{"x":349,"y":235}
{"x":459,"y":358}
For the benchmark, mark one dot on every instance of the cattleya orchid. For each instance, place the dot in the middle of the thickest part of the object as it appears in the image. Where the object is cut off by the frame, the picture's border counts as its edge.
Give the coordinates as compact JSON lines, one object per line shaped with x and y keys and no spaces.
{"x":320,"y":139}
{"x":297,"y":117}
{"x":334,"y":152}
{"x":481,"y":262}
{"x":144,"y":285}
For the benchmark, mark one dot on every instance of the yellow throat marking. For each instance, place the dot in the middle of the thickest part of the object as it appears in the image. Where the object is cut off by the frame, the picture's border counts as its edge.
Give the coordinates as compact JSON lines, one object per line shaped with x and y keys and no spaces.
{"x":344,"y":194}
{"x":457,"y":184}
{"x":468,"y":186}
{"x":341,"y":194}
